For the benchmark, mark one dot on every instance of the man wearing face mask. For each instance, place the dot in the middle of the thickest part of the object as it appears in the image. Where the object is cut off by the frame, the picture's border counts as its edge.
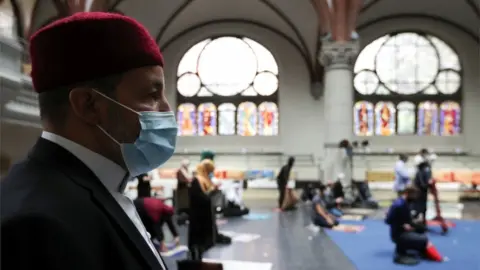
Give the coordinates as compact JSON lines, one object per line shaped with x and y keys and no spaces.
{"x":105,"y":117}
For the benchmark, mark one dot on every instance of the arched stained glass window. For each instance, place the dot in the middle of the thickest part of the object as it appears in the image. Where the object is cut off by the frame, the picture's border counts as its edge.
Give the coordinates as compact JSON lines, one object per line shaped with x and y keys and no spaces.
{"x":268,"y":119}
{"x":247,"y":119}
{"x":413,"y":82}
{"x":364,"y":118}
{"x":187,"y":116}
{"x":233,"y":83}
{"x":226,"y":119}
{"x":449,"y":118}
{"x":207,"y":119}
{"x":406,"y":118}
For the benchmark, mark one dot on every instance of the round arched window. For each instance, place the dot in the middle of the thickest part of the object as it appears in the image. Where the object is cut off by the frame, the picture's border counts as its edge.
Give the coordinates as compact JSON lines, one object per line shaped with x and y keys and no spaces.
{"x":407,"y":83}
{"x":227,"y":86}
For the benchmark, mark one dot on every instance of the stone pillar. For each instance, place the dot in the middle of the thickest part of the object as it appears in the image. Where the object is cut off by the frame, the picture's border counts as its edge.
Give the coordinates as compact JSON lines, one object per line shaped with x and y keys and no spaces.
{"x":338,"y":59}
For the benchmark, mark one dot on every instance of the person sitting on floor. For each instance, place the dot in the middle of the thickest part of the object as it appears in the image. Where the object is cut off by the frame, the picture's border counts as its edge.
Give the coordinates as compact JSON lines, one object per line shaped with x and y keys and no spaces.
{"x":308,"y":193}
{"x":154,"y":213}
{"x":321,"y":216}
{"x":333,"y":205}
{"x":235,"y":206}
{"x":403,"y":233}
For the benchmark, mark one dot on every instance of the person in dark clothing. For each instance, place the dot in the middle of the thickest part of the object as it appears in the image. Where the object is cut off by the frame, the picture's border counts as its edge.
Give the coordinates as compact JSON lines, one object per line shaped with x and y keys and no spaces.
{"x":203,"y":231}
{"x":183,"y":183}
{"x":154,"y":213}
{"x":100,"y":83}
{"x":404,"y":234}
{"x":144,"y":188}
{"x":320,"y":215}
{"x":282,"y":180}
{"x":423,"y":179}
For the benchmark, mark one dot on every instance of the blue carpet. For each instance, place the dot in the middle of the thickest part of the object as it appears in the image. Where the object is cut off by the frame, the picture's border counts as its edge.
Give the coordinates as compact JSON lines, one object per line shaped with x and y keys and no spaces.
{"x":372,"y":249}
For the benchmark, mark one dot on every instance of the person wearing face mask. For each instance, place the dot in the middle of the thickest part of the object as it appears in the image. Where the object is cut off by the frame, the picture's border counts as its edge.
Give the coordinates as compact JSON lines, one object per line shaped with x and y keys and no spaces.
{"x":105,"y":119}
{"x":403,"y":231}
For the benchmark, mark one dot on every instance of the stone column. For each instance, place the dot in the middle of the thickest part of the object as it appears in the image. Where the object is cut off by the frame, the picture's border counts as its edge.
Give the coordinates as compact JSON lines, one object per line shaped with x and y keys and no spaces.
{"x":338,"y":59}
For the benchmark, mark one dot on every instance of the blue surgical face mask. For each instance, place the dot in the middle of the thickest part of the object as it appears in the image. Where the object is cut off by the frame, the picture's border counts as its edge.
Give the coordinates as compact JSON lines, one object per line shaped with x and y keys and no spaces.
{"x":155,"y":144}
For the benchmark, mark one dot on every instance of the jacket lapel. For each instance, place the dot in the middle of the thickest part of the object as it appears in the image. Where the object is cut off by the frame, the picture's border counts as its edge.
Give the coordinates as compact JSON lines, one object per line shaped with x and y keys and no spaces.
{"x":60,"y":159}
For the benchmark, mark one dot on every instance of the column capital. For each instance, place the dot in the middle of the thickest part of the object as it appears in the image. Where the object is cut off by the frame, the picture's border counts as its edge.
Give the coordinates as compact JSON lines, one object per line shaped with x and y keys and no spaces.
{"x":335,"y":55}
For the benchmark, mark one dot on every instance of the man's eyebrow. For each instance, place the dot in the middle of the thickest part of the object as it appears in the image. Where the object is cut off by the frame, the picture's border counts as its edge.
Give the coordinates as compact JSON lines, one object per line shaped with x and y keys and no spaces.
{"x":158,"y":84}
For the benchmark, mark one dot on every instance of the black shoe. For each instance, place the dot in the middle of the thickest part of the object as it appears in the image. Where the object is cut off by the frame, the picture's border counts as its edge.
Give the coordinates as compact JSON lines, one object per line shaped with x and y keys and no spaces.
{"x":223,"y":239}
{"x":405,"y":260}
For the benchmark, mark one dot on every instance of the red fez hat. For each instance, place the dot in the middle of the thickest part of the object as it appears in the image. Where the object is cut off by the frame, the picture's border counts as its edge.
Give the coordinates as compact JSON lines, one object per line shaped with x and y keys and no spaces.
{"x":87,"y":46}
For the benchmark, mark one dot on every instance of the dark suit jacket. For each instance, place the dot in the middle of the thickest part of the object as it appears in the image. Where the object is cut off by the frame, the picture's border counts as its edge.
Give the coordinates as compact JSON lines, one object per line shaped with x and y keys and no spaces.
{"x":202,"y":229}
{"x":56,"y":214}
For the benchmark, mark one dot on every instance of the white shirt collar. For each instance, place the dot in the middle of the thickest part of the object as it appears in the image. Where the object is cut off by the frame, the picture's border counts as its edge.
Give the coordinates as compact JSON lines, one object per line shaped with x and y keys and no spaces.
{"x":109,"y":173}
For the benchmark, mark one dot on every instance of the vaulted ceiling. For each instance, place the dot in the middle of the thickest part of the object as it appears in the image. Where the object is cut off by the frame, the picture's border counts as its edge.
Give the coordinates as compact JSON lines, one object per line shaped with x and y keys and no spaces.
{"x":294,"y":20}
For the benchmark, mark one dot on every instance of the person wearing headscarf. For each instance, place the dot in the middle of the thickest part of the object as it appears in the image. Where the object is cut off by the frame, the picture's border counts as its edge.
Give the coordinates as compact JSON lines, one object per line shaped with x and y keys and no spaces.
{"x":101,"y":91}
{"x":207,"y":154}
{"x":183,"y":183}
{"x":203,"y":232}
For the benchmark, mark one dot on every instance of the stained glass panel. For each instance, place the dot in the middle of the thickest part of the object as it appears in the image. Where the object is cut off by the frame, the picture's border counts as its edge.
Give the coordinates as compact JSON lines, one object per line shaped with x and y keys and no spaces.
{"x":186,"y":114}
{"x":207,"y":119}
{"x":449,"y":118}
{"x":226,"y":119}
{"x":405,"y":118}
{"x":385,"y":119}
{"x":363,"y":118}
{"x":427,"y":122}
{"x":247,"y":119}
{"x":267,"y":119}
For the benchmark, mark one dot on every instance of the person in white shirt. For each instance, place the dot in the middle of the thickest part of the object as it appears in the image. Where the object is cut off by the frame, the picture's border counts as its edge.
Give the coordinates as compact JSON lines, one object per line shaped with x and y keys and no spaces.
{"x":402,"y":175}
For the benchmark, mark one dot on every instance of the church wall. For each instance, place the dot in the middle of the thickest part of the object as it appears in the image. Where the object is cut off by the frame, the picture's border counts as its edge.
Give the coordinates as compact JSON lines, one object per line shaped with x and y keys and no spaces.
{"x":301,"y":117}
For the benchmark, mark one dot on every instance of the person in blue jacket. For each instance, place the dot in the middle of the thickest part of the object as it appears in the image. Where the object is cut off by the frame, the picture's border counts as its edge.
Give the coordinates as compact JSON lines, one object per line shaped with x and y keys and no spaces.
{"x":405,"y":233}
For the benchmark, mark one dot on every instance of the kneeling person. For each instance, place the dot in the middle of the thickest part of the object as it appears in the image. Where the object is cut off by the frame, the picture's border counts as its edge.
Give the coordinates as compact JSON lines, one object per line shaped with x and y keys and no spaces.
{"x":154,"y":213}
{"x":321,"y":217}
{"x":403,"y":231}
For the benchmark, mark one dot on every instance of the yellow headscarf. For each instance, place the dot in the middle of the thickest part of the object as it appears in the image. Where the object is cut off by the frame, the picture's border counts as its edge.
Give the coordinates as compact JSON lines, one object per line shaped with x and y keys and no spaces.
{"x":203,"y":171}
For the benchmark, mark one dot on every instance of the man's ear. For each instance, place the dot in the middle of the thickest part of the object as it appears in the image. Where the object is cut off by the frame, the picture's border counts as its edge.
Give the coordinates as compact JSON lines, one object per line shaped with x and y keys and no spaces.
{"x":84,"y":105}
